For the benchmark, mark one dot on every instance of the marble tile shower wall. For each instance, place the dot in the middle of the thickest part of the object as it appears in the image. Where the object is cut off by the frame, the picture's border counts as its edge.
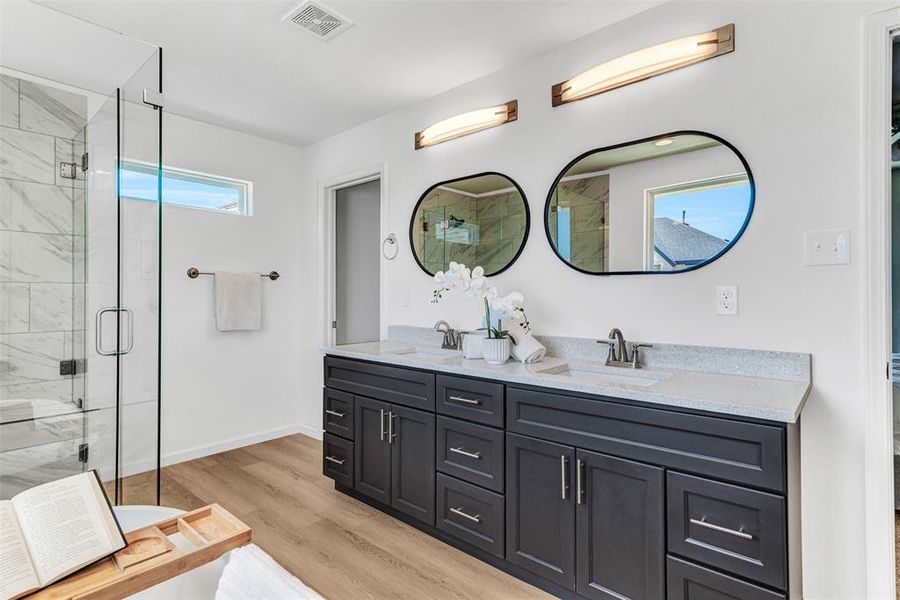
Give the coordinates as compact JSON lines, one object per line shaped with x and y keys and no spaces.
{"x":587,"y":201}
{"x":41,"y":282}
{"x":501,"y":220}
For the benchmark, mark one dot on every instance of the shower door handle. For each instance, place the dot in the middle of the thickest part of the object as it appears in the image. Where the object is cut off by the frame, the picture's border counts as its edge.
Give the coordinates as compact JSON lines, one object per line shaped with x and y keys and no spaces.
{"x":130,"y":314}
{"x":98,"y":333}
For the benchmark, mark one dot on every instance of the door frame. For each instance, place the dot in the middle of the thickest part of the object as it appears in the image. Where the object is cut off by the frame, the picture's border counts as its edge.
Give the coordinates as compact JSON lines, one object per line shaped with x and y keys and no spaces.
{"x":879,"y":29}
{"x":326,"y":194}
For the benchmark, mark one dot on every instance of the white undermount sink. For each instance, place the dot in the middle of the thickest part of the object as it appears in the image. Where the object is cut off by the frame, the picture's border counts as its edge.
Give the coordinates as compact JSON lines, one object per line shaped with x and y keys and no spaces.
{"x":602,"y":375}
{"x":430,"y":354}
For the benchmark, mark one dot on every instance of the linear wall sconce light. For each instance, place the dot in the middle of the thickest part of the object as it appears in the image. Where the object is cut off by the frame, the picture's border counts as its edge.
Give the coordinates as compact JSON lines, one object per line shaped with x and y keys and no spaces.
{"x":467,"y":123}
{"x":644,"y":64}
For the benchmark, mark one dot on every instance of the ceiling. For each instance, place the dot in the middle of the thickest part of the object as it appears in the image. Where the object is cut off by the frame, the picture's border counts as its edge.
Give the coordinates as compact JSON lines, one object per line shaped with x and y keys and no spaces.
{"x":235,"y":63}
{"x":481,"y":185}
{"x":625,"y":155}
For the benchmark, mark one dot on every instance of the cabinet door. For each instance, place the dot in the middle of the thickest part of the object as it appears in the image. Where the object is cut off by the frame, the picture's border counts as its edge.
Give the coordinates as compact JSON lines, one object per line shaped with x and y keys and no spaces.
{"x":540,"y":508}
{"x":372,"y":452}
{"x":620,"y":525}
{"x":412,"y":462}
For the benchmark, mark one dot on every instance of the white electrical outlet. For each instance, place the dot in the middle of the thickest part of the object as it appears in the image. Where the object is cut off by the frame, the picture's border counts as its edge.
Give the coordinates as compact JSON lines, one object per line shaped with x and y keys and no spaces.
{"x":727,"y":300}
{"x":408,"y":299}
{"x":826,"y":247}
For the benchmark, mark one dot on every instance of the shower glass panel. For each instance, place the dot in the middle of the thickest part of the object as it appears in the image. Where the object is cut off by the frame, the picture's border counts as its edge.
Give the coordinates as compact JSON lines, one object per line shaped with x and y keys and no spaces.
{"x":79,"y":261}
{"x":139,"y":289}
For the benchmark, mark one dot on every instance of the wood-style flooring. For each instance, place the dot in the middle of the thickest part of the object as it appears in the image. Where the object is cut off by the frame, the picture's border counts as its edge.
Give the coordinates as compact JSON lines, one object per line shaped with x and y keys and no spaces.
{"x":340,"y":547}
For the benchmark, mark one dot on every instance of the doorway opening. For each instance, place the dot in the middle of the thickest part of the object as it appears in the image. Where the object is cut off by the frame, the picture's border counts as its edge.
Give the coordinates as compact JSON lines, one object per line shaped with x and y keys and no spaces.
{"x":895,"y":287}
{"x":357,"y":285}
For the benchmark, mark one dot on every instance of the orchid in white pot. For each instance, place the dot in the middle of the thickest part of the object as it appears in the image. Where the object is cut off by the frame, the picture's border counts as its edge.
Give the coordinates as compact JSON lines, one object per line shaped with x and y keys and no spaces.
{"x":510,"y":308}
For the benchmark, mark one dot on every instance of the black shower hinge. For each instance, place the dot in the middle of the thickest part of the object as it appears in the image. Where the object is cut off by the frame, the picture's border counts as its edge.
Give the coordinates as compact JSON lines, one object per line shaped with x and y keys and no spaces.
{"x":82,"y":453}
{"x":84,"y":162}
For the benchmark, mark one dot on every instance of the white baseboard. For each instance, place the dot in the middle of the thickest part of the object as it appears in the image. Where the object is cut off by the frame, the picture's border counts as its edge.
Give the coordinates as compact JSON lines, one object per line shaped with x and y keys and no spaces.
{"x":171,"y":458}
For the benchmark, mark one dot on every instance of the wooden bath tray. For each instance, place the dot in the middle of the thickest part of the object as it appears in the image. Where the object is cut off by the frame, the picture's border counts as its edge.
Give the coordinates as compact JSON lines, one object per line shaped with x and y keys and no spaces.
{"x":152,"y":556}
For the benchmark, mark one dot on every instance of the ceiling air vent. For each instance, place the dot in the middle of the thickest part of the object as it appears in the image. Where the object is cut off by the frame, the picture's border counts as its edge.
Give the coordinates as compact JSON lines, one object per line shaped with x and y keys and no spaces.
{"x":322,"y":22}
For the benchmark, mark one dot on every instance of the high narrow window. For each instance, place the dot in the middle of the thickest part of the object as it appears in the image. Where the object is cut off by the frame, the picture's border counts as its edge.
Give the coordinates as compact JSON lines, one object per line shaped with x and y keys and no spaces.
{"x":188,"y":188}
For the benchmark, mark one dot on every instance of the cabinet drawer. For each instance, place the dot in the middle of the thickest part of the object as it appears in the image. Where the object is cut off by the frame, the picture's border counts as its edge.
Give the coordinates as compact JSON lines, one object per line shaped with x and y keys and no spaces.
{"x":390,"y":384}
{"x":738,"y":530}
{"x":471,"y":452}
{"x":337,"y":459}
{"x":687,"y":581}
{"x":737,"y":451}
{"x":470,"y":513}
{"x":337,"y":413}
{"x":470,"y":399}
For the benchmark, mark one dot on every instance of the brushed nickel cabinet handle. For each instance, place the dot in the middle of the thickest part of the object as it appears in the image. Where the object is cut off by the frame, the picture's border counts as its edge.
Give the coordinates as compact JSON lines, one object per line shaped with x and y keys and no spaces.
{"x":475,"y":455}
{"x":382,"y":424}
{"x":702,"y":522}
{"x":466,"y":400}
{"x":459,"y":511}
{"x":563,"y":476}
{"x":335,"y":413}
{"x":336,"y":461}
{"x":391,"y":434}
{"x":579,"y":492}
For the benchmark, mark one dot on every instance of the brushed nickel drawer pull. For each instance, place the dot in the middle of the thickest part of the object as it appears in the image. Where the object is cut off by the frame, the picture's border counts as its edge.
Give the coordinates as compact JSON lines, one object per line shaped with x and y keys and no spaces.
{"x":563,"y":476}
{"x":475,"y":455}
{"x":579,"y":491}
{"x":459,"y":511}
{"x":336,"y":461}
{"x":466,"y":400}
{"x":702,"y":522}
{"x":335,"y":413}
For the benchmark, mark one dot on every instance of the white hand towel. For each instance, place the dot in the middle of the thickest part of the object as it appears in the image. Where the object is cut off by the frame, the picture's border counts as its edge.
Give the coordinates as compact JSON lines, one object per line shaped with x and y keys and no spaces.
{"x":251,"y":574}
{"x":238,"y":301}
{"x":525,"y":348}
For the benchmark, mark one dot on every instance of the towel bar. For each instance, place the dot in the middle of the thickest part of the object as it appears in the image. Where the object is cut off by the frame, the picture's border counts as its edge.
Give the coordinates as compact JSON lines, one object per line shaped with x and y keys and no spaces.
{"x":194,"y":273}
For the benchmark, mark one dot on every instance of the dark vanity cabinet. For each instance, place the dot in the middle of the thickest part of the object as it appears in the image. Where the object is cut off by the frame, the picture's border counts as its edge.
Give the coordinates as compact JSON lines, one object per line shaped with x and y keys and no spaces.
{"x":394,"y":456}
{"x":584,"y":496}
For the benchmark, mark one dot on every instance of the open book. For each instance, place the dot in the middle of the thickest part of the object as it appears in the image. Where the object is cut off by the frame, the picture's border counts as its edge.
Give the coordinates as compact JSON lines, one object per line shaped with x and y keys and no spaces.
{"x":53,"y":530}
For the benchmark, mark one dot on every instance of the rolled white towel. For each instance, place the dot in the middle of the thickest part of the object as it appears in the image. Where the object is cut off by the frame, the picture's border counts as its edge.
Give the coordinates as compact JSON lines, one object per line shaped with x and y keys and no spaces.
{"x":251,"y":574}
{"x":525,"y":348}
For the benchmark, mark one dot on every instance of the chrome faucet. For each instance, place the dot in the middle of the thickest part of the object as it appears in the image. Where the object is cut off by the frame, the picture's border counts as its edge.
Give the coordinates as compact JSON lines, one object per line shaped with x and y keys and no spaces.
{"x":618,"y":351}
{"x":451,"y":336}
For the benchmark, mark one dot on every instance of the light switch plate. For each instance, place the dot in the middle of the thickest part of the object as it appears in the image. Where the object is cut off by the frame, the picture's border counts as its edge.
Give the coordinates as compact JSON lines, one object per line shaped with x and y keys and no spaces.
{"x":727,"y":300}
{"x":826,"y":247}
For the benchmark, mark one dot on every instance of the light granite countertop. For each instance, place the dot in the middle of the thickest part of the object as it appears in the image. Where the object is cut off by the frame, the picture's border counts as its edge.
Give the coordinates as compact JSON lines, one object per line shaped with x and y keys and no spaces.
{"x":772,"y":386}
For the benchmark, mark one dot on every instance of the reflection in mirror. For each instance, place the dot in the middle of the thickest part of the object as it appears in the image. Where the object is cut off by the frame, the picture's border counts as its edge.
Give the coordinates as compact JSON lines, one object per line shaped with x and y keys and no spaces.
{"x":666,"y":204}
{"x":476,"y":220}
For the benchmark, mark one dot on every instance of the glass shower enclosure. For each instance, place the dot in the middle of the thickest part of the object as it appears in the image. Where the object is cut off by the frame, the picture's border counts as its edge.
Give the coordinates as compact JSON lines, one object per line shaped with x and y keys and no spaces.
{"x":79,"y":254}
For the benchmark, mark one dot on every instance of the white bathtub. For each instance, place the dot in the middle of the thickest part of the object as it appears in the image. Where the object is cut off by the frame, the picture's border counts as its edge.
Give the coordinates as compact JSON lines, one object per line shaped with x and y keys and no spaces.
{"x":197,"y":584}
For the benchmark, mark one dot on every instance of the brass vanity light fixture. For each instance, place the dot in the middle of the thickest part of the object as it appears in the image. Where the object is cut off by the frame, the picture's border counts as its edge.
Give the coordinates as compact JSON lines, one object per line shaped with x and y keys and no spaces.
{"x":467,"y":123}
{"x":644,"y":64}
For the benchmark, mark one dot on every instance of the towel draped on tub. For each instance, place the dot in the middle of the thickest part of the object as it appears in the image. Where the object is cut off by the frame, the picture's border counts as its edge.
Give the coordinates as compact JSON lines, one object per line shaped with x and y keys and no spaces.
{"x":251,"y":574}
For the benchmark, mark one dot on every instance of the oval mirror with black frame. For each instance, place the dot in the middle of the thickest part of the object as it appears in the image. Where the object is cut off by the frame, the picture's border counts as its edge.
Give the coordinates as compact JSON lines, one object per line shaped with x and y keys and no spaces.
{"x":475,"y":220}
{"x":667,"y":204}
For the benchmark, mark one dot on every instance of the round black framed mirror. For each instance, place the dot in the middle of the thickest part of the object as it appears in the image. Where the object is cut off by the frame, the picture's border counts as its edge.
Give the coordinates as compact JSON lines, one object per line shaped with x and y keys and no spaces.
{"x":670,"y":203}
{"x":477,"y":220}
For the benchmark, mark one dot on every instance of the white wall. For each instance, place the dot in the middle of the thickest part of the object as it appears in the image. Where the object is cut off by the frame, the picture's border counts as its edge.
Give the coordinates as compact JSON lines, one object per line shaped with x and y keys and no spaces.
{"x":223,"y":390}
{"x":789,"y":99}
